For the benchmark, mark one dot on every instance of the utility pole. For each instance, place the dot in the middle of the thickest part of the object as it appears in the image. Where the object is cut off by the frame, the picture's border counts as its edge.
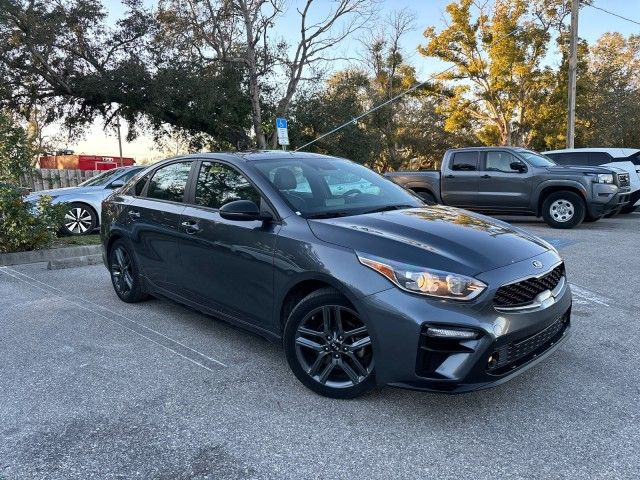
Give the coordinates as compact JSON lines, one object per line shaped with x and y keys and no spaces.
{"x":119,"y":139}
{"x":573,"y":67}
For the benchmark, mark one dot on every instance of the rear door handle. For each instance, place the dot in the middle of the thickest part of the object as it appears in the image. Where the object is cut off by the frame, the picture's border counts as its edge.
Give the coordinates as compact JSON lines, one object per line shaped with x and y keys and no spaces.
{"x":485,"y":176}
{"x":191,"y":226}
{"x":450,"y":176}
{"x":134,"y":213}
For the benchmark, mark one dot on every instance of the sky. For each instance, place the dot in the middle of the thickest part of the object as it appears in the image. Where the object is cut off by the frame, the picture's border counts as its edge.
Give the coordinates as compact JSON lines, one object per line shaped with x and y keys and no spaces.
{"x":592,"y":24}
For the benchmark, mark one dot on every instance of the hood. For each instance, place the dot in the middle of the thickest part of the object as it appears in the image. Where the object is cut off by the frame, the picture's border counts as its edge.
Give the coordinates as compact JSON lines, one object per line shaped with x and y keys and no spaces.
{"x":576,"y":169}
{"x":56,"y":192}
{"x":438,"y":237}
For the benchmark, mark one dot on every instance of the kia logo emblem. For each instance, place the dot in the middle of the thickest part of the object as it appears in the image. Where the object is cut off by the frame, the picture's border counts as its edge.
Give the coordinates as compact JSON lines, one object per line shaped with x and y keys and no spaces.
{"x":537,"y":264}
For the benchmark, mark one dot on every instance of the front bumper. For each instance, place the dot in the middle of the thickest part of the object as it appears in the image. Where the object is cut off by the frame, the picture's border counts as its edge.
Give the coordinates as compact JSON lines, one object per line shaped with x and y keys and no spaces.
{"x":398,"y":320}
{"x":608,"y":198}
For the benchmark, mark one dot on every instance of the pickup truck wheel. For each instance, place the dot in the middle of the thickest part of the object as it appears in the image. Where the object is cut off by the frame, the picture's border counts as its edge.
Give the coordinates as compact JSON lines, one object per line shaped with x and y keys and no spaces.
{"x":426,"y":196}
{"x":563,"y":210}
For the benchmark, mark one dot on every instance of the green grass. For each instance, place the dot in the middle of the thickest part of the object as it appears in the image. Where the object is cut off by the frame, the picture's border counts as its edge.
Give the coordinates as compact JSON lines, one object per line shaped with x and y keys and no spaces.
{"x":68,"y":241}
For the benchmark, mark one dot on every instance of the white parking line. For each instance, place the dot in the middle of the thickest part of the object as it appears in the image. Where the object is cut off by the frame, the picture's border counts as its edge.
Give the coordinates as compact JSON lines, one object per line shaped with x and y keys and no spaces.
{"x":588,"y":296}
{"x":161,"y":339}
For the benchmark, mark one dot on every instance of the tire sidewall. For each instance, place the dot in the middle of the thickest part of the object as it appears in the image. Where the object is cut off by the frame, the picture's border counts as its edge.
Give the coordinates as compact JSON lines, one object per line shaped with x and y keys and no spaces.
{"x":579,"y":206}
{"x":136,"y":293}
{"x":297,"y":315}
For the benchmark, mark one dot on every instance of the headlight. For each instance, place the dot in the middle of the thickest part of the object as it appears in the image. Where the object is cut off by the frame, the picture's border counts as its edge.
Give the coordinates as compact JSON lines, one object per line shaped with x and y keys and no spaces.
{"x":424,"y":281}
{"x":604,"y":178}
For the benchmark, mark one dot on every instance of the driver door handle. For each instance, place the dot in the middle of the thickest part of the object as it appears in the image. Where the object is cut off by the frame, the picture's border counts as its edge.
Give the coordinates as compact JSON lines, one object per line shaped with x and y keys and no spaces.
{"x":191,"y":226}
{"x":485,"y":176}
{"x":450,"y":176}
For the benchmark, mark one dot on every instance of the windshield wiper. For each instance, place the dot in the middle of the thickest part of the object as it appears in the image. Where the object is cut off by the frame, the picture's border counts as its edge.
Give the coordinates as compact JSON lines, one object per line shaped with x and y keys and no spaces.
{"x":387,"y":208}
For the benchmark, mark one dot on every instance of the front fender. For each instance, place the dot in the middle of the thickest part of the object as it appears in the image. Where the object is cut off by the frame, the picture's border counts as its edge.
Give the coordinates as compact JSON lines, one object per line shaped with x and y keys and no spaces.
{"x":569,"y":184}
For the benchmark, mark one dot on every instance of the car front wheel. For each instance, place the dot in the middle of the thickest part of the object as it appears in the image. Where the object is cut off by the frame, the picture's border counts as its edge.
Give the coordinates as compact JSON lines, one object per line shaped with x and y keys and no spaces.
{"x":563,"y":209}
{"x":80,"y":219}
{"x":328,"y":346}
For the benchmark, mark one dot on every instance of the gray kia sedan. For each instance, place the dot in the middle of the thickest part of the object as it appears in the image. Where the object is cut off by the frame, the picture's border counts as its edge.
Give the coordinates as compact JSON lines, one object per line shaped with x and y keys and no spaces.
{"x":364,"y":285}
{"x":84,"y":201}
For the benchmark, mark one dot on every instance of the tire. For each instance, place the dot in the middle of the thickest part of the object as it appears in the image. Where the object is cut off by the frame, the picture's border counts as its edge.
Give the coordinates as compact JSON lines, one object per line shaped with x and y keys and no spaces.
{"x":330,"y":354}
{"x":563,"y":209}
{"x":426,"y":196}
{"x":80,"y":219}
{"x":125,"y":276}
{"x":629,"y":209}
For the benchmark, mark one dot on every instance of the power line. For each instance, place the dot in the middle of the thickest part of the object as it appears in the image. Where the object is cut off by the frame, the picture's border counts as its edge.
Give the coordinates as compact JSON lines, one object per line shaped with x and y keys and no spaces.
{"x":391,"y":100}
{"x":614,"y":14}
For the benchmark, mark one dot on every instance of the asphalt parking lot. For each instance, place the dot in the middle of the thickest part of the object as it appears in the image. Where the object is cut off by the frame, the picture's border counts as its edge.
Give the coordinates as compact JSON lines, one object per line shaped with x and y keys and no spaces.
{"x":91,"y":387}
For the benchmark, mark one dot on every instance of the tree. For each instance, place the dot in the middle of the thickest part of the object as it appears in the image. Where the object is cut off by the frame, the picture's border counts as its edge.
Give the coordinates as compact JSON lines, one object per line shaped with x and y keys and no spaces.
{"x":239,"y":33}
{"x":611,"y":112}
{"x":497,"y":63}
{"x":16,"y":150}
{"x":62,"y":57}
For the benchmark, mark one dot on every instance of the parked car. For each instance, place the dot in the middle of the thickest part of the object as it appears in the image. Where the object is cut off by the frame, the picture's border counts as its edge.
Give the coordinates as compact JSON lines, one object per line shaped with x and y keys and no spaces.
{"x":627,"y":159}
{"x":84,"y":200}
{"x":516,"y":181}
{"x":367,"y":287}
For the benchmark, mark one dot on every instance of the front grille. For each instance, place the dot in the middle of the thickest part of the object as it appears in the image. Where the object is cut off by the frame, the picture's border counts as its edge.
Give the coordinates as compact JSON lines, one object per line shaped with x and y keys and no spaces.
{"x":523,"y":293}
{"x":623,"y":180}
{"x":516,"y":353}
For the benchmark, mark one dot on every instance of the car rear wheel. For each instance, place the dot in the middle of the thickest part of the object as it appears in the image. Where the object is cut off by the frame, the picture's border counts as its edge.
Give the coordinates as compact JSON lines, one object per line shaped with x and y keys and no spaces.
{"x":125,"y":275}
{"x":328,"y":346}
{"x":426,"y":196}
{"x":80,"y":219}
{"x":563,"y":209}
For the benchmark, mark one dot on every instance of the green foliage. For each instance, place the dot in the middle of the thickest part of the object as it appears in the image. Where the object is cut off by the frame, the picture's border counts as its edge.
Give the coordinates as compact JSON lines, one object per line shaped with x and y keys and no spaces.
{"x":16,"y":150}
{"x":497,"y":59}
{"x":20,"y":229}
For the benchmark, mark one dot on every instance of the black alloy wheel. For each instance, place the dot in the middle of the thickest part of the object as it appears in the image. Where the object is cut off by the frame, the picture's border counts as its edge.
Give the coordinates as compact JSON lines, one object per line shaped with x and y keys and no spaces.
{"x":124,"y":274}
{"x":328,"y":346}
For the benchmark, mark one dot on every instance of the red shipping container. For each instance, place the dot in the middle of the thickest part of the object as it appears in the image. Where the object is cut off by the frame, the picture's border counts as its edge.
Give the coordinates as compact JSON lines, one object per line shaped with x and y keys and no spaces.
{"x":84,"y":162}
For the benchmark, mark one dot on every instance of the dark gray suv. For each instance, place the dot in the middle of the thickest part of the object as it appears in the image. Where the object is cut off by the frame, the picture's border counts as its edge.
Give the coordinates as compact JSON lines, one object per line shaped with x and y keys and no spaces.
{"x":363,"y":283}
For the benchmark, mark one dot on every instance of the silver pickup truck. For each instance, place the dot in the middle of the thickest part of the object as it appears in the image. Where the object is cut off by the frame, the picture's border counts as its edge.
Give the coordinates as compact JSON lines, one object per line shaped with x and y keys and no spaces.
{"x":516,"y":181}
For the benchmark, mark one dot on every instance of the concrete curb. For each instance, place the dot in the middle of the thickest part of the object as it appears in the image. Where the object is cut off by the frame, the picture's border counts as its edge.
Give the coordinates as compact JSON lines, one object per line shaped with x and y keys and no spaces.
{"x":72,"y":262}
{"x":35,"y":256}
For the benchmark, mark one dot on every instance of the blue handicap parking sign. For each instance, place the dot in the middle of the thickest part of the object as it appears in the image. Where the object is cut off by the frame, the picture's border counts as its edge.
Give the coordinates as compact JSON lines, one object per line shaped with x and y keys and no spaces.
{"x":281,"y":122}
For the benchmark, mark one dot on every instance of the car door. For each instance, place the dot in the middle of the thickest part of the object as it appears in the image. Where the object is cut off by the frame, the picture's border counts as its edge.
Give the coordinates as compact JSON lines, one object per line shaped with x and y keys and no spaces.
{"x":460,"y":180}
{"x":229,"y":263}
{"x":154,"y":216}
{"x":501,"y":186}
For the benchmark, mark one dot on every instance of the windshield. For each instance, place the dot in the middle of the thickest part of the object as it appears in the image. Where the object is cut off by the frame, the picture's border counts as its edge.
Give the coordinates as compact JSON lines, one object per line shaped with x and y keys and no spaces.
{"x":102,"y":178}
{"x":330,"y":187}
{"x":537,"y":159}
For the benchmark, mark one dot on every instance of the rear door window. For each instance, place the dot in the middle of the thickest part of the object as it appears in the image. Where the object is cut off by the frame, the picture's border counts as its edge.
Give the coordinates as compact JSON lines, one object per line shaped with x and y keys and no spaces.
{"x":599,"y":158}
{"x":465,"y":161}
{"x":570,"y":158}
{"x":169,"y":182}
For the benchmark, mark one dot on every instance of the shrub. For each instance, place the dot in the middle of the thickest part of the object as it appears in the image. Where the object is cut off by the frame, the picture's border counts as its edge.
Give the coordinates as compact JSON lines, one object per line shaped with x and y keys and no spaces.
{"x":22,"y":228}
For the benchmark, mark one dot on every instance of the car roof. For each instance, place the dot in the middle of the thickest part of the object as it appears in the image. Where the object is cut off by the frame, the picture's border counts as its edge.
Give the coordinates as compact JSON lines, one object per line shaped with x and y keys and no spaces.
{"x":501,"y":147}
{"x":254,"y":155}
{"x":614,"y":152}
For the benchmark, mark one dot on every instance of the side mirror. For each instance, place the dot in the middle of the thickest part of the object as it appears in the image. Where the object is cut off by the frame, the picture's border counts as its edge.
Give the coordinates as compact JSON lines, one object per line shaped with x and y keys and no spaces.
{"x":518,"y":166}
{"x":116,"y":184}
{"x":243,"y":211}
